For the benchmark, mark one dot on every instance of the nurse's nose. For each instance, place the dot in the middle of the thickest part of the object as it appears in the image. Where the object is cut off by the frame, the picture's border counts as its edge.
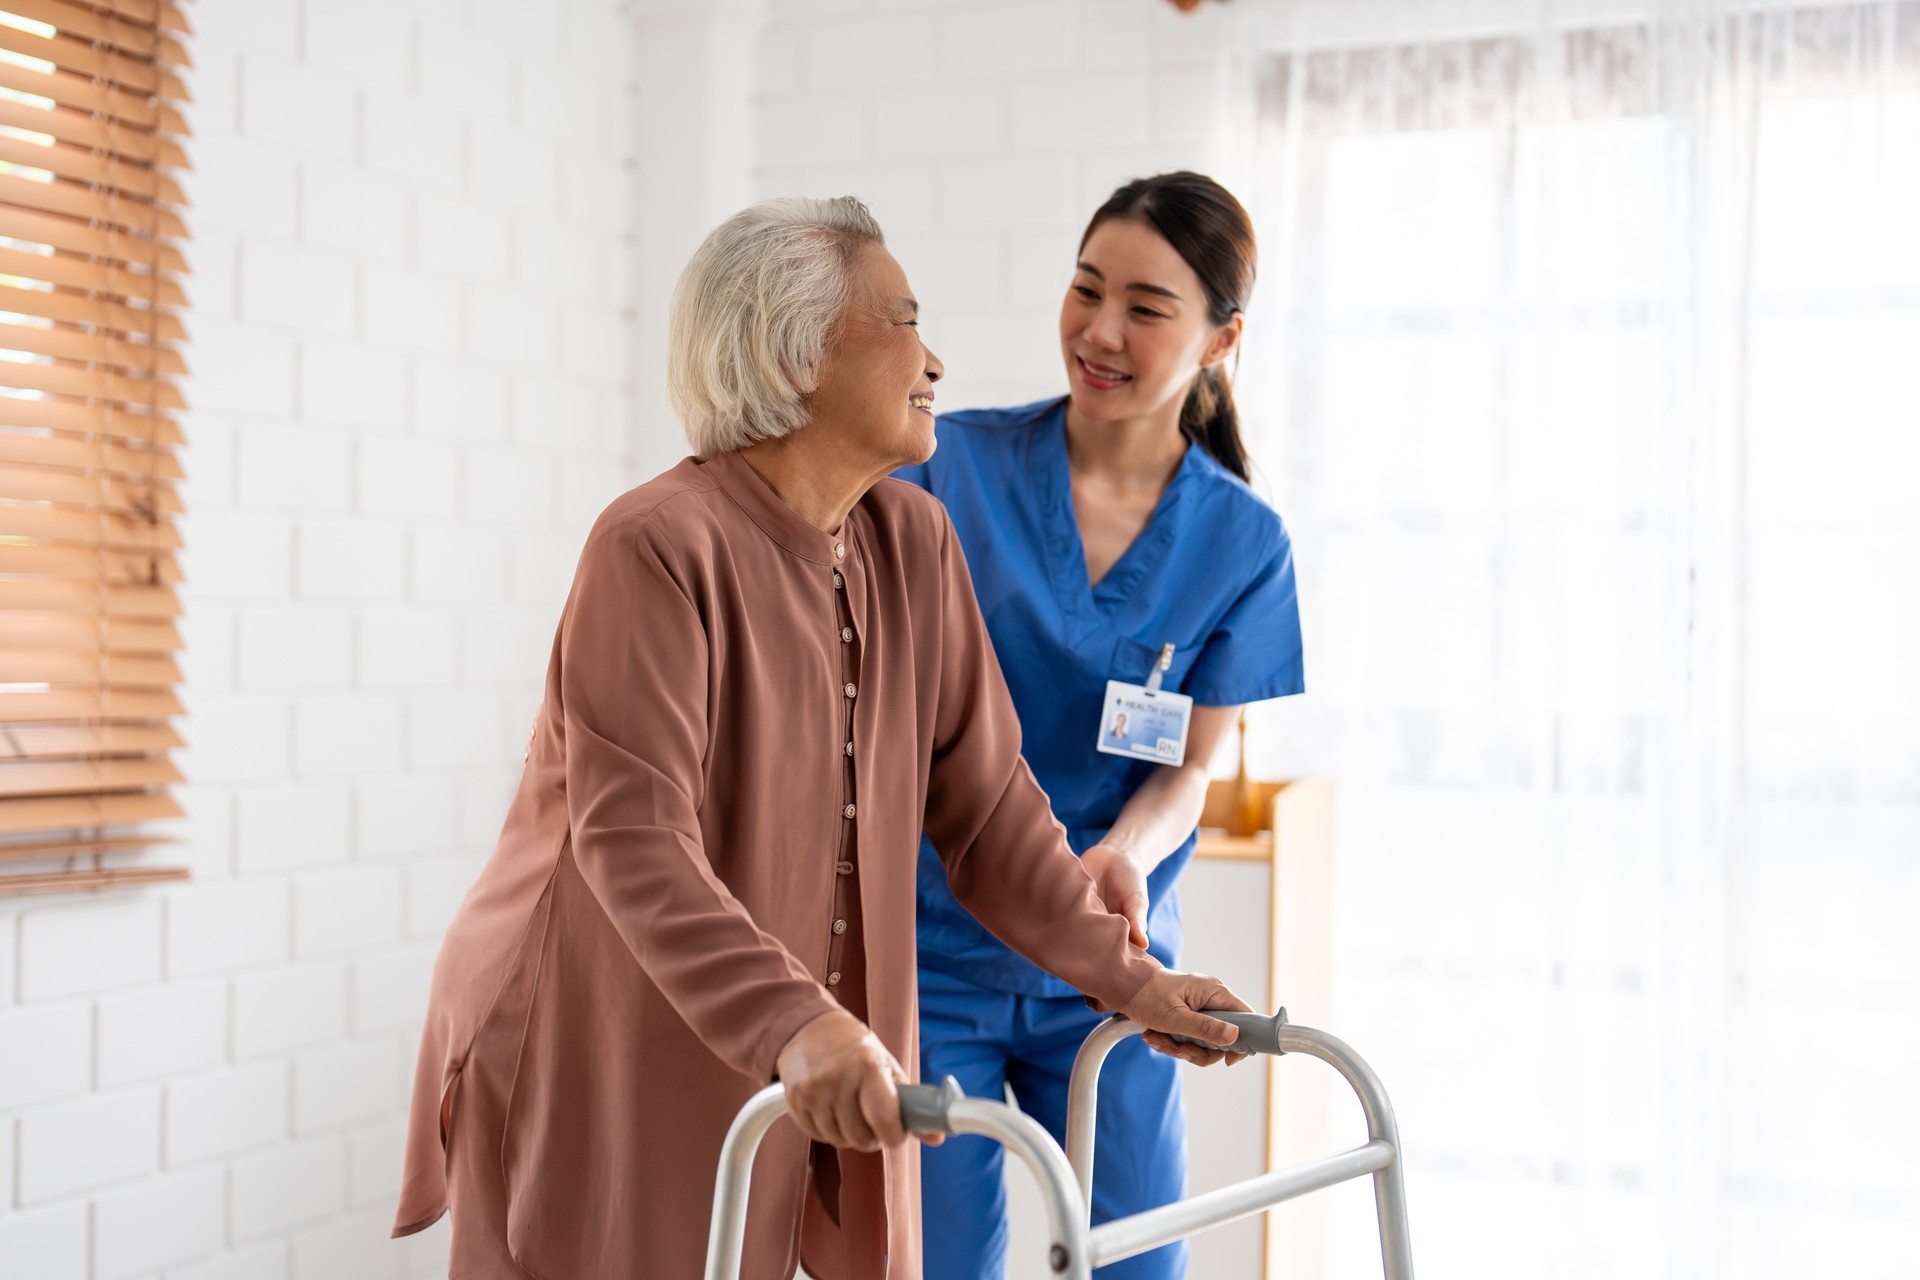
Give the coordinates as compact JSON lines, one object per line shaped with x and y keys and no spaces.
{"x":1104,"y":330}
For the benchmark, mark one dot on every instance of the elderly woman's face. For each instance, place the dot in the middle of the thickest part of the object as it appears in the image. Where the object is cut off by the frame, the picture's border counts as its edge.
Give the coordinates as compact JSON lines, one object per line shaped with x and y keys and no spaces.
{"x":875,"y":389}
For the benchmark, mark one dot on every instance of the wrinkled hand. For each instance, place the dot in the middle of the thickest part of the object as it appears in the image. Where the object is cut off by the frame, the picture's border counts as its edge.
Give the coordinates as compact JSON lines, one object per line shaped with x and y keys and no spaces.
{"x":843,"y":1085}
{"x":1122,"y":887}
{"x":1168,"y":1006}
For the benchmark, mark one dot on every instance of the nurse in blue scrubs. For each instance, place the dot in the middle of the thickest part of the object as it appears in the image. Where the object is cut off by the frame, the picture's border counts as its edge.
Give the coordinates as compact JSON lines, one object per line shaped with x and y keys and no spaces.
{"x":1123,"y":566}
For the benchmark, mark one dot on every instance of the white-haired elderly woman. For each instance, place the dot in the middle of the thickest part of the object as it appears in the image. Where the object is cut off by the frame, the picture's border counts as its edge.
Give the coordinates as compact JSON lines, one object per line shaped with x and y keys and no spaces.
{"x":769,"y":674}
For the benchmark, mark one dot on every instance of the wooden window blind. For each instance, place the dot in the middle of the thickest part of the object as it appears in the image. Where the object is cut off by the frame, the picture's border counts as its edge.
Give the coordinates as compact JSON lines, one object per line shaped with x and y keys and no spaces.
{"x":90,"y":270}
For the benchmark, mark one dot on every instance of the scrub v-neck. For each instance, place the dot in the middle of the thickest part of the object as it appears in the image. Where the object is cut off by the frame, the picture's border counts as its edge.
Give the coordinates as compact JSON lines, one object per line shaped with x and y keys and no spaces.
{"x":1087,"y":603}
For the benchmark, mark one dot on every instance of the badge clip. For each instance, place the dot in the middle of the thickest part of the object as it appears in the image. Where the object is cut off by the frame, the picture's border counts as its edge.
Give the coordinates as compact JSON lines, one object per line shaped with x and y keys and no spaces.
{"x":1160,"y":668}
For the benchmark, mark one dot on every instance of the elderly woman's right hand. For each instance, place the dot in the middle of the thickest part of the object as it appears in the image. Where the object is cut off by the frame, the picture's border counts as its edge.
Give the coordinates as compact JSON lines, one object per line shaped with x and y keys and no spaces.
{"x":842,"y":1084}
{"x":1170,"y":1005}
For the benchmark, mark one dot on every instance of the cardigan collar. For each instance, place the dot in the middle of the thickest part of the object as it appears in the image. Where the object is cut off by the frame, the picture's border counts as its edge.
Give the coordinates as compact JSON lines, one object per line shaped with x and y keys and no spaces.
{"x":775,"y":518}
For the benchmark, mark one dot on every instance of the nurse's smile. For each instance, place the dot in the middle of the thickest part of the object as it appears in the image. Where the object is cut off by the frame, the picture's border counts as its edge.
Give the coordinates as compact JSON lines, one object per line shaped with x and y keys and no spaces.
{"x":1099,"y":376}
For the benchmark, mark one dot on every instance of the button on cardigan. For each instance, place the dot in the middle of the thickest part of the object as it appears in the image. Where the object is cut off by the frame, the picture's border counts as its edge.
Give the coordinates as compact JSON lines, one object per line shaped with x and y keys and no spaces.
{"x":660,"y":913}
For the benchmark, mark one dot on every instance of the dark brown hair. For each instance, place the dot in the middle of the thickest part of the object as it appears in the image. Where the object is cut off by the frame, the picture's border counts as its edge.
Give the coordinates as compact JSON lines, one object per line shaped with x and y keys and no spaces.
{"x":1208,"y":228}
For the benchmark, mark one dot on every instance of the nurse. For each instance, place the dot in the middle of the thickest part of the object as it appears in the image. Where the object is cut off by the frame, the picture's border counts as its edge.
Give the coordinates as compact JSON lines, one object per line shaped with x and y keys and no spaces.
{"x":1138,"y":594}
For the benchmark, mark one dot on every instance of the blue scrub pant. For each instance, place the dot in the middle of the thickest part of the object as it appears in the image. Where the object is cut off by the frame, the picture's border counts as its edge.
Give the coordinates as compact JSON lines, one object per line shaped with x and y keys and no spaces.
{"x":988,"y":1040}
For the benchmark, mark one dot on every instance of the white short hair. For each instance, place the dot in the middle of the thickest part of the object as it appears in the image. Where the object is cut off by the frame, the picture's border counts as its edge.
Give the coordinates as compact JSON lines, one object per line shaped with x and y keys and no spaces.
{"x":753,"y":314}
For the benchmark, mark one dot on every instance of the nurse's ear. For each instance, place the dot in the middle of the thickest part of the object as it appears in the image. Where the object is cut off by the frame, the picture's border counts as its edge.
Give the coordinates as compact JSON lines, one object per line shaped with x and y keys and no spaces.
{"x":1225,"y":341}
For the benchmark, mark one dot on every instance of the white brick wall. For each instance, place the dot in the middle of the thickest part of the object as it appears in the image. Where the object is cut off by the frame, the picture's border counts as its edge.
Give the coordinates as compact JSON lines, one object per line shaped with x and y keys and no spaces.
{"x":156,"y":1223}
{"x":411,"y":356}
{"x":983,"y":133}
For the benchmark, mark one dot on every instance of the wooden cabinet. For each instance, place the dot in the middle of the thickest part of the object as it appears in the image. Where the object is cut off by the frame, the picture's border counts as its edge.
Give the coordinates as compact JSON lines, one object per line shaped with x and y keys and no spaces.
{"x":1285,"y":829}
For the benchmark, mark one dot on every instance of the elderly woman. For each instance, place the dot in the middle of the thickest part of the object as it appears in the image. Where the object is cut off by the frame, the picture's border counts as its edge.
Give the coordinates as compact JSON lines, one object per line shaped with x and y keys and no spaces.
{"x":769,"y":674}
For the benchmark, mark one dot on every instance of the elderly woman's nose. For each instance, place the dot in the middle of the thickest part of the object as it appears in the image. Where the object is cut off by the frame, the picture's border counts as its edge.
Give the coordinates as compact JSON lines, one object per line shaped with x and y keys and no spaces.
{"x":935,"y":370}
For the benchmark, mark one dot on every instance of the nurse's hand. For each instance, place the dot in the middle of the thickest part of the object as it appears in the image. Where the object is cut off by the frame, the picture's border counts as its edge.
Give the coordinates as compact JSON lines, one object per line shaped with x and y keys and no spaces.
{"x":842,"y":1084}
{"x":1170,"y":1005}
{"x":1122,"y":885}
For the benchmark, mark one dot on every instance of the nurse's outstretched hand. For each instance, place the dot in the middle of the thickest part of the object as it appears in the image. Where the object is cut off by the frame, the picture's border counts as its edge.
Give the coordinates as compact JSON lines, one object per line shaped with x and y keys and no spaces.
{"x":1170,"y":1005}
{"x":1122,"y":887}
{"x":842,"y":1084}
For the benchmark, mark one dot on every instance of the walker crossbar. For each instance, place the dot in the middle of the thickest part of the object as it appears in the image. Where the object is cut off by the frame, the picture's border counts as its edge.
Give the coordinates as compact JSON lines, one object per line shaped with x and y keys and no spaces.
{"x":1075,"y":1249}
{"x":1125,"y":1237}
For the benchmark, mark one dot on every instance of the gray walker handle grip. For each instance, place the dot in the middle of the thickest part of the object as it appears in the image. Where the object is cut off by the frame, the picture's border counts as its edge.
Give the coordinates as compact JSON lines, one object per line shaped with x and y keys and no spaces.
{"x":924,"y":1107}
{"x":1259,"y":1033}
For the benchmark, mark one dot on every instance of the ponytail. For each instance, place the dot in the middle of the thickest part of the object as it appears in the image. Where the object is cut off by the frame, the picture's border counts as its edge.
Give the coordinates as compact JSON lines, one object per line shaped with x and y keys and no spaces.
{"x":1209,"y":418}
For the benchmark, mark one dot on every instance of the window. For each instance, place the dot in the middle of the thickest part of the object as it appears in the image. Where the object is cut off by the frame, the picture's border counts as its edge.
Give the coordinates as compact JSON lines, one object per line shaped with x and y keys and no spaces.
{"x":89,"y":338}
{"x":1586,"y":360}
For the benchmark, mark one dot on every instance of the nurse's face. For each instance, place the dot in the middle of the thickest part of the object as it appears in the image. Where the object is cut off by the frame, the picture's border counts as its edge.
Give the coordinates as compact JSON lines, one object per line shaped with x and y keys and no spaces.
{"x":1133,"y":327}
{"x":875,"y":390}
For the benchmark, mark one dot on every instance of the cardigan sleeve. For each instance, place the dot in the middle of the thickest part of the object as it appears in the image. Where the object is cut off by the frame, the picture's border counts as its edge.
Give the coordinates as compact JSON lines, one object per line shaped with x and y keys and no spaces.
{"x":634,"y":682}
{"x":1006,"y":856}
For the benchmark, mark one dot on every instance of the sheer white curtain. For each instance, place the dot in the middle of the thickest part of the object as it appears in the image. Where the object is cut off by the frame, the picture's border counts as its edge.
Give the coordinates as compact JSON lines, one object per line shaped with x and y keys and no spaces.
{"x":1583,"y":367}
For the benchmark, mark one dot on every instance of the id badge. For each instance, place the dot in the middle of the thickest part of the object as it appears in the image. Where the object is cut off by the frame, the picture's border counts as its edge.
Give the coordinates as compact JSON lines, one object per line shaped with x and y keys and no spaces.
{"x":1145,"y":722}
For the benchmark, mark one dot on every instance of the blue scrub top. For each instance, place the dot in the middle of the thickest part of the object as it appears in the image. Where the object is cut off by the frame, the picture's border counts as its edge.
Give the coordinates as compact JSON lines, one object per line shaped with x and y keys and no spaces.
{"x":1212,"y":573}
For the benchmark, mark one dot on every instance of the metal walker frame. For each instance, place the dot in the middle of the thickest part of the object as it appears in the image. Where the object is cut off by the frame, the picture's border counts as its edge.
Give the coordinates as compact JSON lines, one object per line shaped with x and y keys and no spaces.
{"x":1066,"y":1177}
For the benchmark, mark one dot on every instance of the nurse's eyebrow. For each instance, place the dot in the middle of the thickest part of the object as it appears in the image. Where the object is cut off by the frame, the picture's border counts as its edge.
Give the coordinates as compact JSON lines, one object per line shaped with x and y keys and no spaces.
{"x":1094,"y":271}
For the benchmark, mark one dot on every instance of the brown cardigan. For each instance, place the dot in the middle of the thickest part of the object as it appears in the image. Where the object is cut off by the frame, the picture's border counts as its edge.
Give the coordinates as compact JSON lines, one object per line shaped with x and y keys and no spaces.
{"x":670,"y":871}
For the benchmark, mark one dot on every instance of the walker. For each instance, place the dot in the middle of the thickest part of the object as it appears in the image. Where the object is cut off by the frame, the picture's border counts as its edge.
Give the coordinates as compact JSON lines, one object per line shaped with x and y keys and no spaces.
{"x":1066,"y":1177}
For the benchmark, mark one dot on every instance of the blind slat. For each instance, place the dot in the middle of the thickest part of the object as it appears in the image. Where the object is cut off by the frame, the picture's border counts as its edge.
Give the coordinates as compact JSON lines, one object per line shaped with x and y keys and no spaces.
{"x":100,"y":313}
{"x":96,"y":62}
{"x":137,"y":38}
{"x":104,"y":171}
{"x":68,"y":524}
{"x":163,"y":14}
{"x":33,"y":742}
{"x":51,"y":595}
{"x":92,"y":384}
{"x":93,"y":277}
{"x":88,"y":666}
{"x":95,"y":133}
{"x":103,"y":564}
{"x":22,"y":849}
{"x":35,"y":484}
{"x":59,"y":813}
{"x":143,"y":217}
{"x":159,"y":13}
{"x":90,"y":419}
{"x":86,"y":455}
{"x":65,"y":777}
{"x":104,"y":526}
{"x":102,"y":348}
{"x":89,"y":881}
{"x":76,"y":236}
{"x":78,"y":630}
{"x":146,"y":11}
{"x":87,"y":704}
{"x":94,"y":97}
